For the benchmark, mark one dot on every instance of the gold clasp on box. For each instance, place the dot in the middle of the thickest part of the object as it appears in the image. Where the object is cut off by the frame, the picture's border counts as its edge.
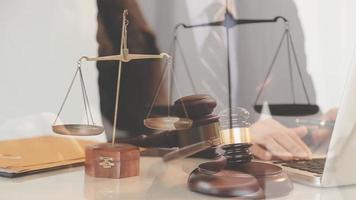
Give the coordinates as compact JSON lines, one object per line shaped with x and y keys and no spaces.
{"x":106,"y":162}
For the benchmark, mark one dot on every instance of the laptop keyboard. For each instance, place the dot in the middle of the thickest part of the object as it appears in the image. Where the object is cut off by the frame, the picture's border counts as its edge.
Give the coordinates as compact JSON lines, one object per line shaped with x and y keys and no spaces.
{"x":315,"y":165}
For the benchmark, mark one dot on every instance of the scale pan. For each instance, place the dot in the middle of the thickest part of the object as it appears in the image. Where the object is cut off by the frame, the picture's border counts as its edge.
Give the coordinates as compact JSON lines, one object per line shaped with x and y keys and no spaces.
{"x":290,"y":109}
{"x":168,"y":123}
{"x":78,"y":129}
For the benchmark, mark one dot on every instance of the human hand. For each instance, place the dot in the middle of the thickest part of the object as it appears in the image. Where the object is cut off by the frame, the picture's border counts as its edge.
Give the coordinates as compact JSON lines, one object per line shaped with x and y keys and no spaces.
{"x":319,"y":135}
{"x":271,"y":139}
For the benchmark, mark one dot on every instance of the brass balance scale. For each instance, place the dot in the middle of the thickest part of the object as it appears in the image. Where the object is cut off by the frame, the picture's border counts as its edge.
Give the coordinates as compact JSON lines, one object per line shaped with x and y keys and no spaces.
{"x":103,"y":160}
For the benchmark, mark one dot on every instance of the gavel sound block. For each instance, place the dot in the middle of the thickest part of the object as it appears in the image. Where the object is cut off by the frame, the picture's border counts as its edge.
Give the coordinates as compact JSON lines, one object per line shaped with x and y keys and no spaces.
{"x":112,"y":161}
{"x":234,"y":174}
{"x":251,"y":180}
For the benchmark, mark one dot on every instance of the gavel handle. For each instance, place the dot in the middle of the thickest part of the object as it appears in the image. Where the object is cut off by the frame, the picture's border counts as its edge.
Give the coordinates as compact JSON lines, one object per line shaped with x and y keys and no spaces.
{"x":186,"y":151}
{"x":161,"y":139}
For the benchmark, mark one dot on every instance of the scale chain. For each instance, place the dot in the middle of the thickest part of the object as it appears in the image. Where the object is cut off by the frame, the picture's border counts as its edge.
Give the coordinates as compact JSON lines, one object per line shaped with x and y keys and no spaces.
{"x":158,"y":89}
{"x":298,"y":67}
{"x":66,"y":96}
{"x":271,"y":66}
{"x":84,"y":91}
{"x":290,"y":65}
{"x":83,"y":94}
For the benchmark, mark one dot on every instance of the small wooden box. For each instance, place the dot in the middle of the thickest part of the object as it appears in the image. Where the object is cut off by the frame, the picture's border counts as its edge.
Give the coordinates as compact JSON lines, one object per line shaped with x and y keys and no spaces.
{"x":112,"y":161}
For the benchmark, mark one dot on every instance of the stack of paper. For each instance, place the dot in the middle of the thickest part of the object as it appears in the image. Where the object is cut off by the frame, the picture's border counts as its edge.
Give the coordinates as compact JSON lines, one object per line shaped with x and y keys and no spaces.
{"x":40,"y":153}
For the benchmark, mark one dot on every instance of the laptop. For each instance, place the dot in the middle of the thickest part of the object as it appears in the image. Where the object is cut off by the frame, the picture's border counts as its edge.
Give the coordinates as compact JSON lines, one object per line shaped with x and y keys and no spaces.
{"x":338,"y":168}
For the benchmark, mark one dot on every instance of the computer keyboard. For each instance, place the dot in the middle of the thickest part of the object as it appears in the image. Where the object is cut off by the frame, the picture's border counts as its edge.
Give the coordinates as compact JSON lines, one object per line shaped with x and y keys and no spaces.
{"x":315,"y":165}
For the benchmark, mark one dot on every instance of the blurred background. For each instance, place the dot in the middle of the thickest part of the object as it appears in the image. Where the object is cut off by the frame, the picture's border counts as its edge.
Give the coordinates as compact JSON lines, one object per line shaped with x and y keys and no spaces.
{"x":40,"y":42}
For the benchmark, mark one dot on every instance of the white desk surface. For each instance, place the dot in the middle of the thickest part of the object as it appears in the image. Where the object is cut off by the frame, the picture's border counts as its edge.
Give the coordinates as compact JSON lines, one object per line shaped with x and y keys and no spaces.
{"x":157,"y":181}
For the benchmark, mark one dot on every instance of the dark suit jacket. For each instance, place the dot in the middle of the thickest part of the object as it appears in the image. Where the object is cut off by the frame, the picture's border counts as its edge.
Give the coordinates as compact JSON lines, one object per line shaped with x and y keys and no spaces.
{"x":139,"y":79}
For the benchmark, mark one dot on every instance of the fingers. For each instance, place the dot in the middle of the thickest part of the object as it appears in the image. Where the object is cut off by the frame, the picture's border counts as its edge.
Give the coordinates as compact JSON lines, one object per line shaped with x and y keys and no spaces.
{"x":298,"y":133}
{"x":320,"y":135}
{"x":278,"y":150}
{"x":301,"y":131}
{"x":260,"y":152}
{"x":291,"y":144}
{"x":279,"y":141}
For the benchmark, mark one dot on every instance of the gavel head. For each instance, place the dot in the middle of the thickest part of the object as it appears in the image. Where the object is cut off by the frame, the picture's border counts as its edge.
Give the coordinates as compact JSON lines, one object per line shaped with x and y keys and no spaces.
{"x":205,"y":126}
{"x":230,"y":130}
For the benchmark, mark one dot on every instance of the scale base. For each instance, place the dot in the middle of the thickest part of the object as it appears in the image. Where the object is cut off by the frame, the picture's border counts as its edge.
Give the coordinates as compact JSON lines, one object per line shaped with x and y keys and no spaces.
{"x":112,"y":161}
